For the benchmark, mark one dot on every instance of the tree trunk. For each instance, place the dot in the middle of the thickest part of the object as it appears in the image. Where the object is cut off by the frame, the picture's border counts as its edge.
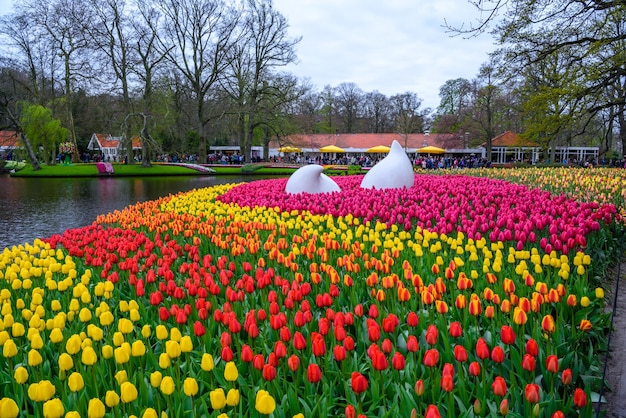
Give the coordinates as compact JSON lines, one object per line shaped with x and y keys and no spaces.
{"x":31,"y":154}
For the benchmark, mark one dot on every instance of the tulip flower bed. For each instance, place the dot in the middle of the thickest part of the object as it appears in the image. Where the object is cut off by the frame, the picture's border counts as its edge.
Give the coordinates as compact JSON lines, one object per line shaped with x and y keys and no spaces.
{"x":459,"y":297}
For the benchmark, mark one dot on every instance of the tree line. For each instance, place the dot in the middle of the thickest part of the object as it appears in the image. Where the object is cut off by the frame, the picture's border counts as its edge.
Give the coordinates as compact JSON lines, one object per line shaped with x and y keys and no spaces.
{"x":187,"y":74}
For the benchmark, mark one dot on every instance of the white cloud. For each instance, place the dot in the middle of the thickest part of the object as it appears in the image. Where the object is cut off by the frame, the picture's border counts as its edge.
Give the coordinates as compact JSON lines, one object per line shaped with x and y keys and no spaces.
{"x":393,"y":46}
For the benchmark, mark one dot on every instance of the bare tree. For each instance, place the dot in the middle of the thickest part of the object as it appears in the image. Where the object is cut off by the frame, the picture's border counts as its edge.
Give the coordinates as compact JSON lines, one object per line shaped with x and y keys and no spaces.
{"x":377,"y":112}
{"x":349,"y":100}
{"x":201,"y":33}
{"x":408,"y":117}
{"x":62,"y":22}
{"x":264,"y":46}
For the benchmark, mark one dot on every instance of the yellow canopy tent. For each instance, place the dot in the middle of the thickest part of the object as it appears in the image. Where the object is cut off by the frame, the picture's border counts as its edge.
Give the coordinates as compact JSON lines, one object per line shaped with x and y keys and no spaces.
{"x":378,"y":149}
{"x":289,"y":148}
{"x":332,"y":148}
{"x":431,"y":150}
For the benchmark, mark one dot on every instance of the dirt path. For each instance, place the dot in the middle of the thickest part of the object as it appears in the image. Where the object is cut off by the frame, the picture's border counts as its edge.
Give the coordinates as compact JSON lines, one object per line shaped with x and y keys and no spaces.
{"x":616,"y":367}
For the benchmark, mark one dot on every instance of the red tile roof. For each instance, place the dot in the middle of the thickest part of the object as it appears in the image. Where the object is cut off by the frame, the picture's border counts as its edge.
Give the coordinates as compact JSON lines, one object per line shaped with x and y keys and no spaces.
{"x":9,"y":139}
{"x":510,"y":139}
{"x":368,"y":140}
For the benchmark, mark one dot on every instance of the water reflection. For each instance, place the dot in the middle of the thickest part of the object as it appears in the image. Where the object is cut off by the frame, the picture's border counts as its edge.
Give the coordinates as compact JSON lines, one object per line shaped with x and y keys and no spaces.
{"x":36,"y":208}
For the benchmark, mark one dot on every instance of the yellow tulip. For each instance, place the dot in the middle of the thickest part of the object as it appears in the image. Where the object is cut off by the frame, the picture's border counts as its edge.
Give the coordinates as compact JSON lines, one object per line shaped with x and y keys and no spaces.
{"x":75,"y":382}
{"x":111,"y":398}
{"x":138,"y":349}
{"x":65,"y":362}
{"x":106,"y":318}
{"x":150,"y":413}
{"x":56,"y":335}
{"x":8,"y":408}
{"x":20,"y":375}
{"x":167,"y":385}
{"x":186,"y":345}
{"x":125,"y":326}
{"x":96,"y":408}
{"x":53,"y":409}
{"x":218,"y":398}
{"x":190,"y":386}
{"x":107,"y":351}
{"x":95,"y":332}
{"x":89,"y":356}
{"x":17,"y":329}
{"x":121,"y":377}
{"x":264,"y":403}
{"x":72,"y":414}
{"x":118,"y":339}
{"x":164,"y":361}
{"x":129,"y":392}
{"x":121,"y":355}
{"x":73,"y":344}
{"x":146,"y":331}
{"x":584,"y":301}
{"x":155,"y":379}
{"x":34,"y":358}
{"x":172,"y":348}
{"x":175,"y":335}
{"x":36,"y":342}
{"x":230,"y":372}
{"x":9,"y":349}
{"x":84,"y":315}
{"x":207,"y":362}
{"x":232,"y":398}
{"x":41,"y":391}
{"x":161,"y":332}
{"x":599,"y":293}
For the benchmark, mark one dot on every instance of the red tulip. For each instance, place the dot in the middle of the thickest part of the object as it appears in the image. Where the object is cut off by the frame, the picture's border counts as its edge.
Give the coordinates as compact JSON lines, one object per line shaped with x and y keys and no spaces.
{"x":359,"y":382}
{"x":246,"y":353}
{"x":348,"y":343}
{"x":339,"y":353}
{"x":280,"y":349}
{"x":419,"y":387}
{"x":460,"y":354}
{"x":547,"y":324}
{"x":431,"y":357}
{"x":507,"y":335}
{"x":499,"y":386}
{"x":387,"y":346}
{"x":552,"y":364}
{"x":504,"y":407}
{"x":269,"y":372}
{"x":580,"y":398}
{"x":299,"y":342}
{"x":497,"y":354}
{"x":258,"y":362}
{"x":412,"y":319}
{"x":227,"y":354}
{"x":314,"y":373}
{"x":558,"y":414}
{"x":293,"y":362}
{"x":482,"y":349}
{"x":317,"y":344}
{"x":532,"y":348}
{"x":528,"y":363}
{"x":447,"y":383}
{"x":455,"y":329}
{"x":432,"y":334}
{"x":566,"y":377}
{"x":379,"y":360}
{"x":198,"y":329}
{"x":474,"y":368}
{"x":397,"y":361}
{"x":532,"y":392}
{"x":412,"y":345}
{"x":432,"y":412}
{"x":350,"y":412}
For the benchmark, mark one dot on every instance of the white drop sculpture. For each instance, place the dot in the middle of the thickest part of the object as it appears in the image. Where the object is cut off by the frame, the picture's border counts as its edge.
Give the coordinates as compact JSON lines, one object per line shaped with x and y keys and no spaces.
{"x":310,"y":179}
{"x":395,"y":171}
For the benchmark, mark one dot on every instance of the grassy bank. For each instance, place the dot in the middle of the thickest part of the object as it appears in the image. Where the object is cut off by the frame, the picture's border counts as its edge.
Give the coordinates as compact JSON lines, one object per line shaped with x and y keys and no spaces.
{"x":136,"y":170}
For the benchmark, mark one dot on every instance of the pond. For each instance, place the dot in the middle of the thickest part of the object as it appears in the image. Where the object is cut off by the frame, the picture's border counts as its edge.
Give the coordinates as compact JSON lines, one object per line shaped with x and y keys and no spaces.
{"x":40,"y":207}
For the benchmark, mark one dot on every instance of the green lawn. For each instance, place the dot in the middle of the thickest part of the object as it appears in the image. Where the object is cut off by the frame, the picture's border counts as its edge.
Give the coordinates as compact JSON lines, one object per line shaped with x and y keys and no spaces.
{"x":136,"y":170}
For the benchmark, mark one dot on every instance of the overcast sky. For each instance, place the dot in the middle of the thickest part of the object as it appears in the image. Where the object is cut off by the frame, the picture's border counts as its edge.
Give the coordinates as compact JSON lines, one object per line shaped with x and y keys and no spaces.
{"x":392,"y":46}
